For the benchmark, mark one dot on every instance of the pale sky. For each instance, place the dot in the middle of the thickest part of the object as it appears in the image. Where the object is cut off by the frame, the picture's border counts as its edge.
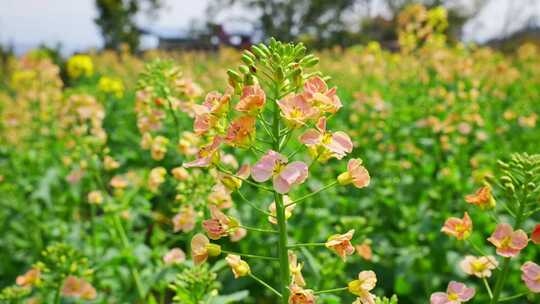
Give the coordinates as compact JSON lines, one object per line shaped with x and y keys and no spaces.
{"x":27,"y":23}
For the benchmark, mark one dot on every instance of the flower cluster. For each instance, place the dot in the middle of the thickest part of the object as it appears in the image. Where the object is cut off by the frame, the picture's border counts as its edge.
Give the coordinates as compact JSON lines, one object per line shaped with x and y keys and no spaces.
{"x":259,"y":110}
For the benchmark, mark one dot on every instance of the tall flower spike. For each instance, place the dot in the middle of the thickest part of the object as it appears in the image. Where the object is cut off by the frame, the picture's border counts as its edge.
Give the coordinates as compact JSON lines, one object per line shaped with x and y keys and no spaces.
{"x":324,"y":145}
{"x":341,"y":244}
{"x":458,"y":228}
{"x":284,"y":176}
{"x":507,"y":241}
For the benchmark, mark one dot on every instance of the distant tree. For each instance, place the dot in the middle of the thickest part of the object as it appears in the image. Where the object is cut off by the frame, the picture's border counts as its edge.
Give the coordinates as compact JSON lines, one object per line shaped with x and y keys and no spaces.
{"x":288,"y":20}
{"x":116,"y":21}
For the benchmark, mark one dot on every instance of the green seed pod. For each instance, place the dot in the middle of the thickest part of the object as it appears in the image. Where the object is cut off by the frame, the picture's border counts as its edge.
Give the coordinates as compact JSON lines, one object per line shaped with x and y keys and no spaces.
{"x":244,"y":69}
{"x":247,"y":60}
{"x":249,"y":79}
{"x":250,"y":55}
{"x":510,"y":187}
{"x":234,"y":75}
{"x":503,"y":164}
{"x":280,"y":75}
{"x":260,"y":53}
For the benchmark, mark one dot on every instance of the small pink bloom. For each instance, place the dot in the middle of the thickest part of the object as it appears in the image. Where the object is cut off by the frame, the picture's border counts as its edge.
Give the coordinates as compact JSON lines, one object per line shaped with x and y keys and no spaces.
{"x":480,"y":267}
{"x":185,"y":219}
{"x":218,"y":226}
{"x":341,"y":244}
{"x":241,"y":132}
{"x":362,"y":287}
{"x":535,"y":235}
{"x":482,"y":198}
{"x":531,"y":276}
{"x":458,"y":228}
{"x":274,"y":165}
{"x":199,"y":251}
{"x":356,"y":174}
{"x":30,"y":278}
{"x":508,"y":242}
{"x":220,"y":196}
{"x":327,"y":144}
{"x":253,"y":99}
{"x":206,"y":154}
{"x":296,"y":110}
{"x":300,"y":295}
{"x":78,"y":288}
{"x":208,"y":114}
{"x":237,"y":234}
{"x":456,"y":293}
{"x":239,"y":267}
{"x":317,"y":93}
{"x":174,"y":256}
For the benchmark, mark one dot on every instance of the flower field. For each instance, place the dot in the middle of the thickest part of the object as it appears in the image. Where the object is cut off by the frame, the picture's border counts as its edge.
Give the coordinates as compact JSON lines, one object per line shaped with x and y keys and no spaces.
{"x":273,"y":175}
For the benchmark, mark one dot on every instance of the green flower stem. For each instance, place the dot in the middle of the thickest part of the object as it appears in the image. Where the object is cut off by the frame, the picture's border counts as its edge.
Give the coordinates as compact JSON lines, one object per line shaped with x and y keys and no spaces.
{"x":488,"y":289}
{"x":301,"y":148}
{"x":501,"y":279}
{"x":514,"y":297}
{"x":332,"y":184}
{"x":258,"y":229}
{"x":126,"y":245}
{"x":261,"y":257}
{"x":263,"y":283}
{"x":306,"y":245}
{"x":283,"y":253}
{"x":283,"y":248}
{"x":331,"y":290}
{"x":58,"y":294}
{"x":242,"y":196}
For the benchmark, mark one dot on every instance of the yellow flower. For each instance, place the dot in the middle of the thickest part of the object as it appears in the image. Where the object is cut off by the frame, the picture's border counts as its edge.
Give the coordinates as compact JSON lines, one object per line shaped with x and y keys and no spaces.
{"x":80,"y":66}
{"x":111,"y":86}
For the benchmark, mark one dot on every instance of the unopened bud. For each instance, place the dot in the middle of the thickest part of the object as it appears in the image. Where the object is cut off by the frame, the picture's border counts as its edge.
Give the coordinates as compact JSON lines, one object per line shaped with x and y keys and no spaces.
{"x":344,"y":178}
{"x":213,"y":249}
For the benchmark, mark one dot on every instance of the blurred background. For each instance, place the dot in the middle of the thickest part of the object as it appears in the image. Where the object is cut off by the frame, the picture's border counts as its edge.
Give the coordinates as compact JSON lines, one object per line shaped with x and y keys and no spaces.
{"x":76,"y":26}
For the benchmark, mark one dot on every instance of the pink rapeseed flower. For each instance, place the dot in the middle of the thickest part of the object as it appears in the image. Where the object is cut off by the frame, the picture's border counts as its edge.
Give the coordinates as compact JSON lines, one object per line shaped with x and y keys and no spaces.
{"x":252,"y":100}
{"x":317,"y":93}
{"x":531,"y":276}
{"x":456,"y":293}
{"x":508,"y":242}
{"x":206,"y":154}
{"x":341,"y":244}
{"x":241,"y":132}
{"x":284,"y":176}
{"x":459,"y":228}
{"x":296,"y":110}
{"x":324,"y":144}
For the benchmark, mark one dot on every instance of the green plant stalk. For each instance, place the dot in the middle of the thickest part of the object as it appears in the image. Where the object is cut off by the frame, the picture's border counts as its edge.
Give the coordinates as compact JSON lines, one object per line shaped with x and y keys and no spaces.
{"x":280,"y":214}
{"x":126,"y":245}
{"x":506,"y":266}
